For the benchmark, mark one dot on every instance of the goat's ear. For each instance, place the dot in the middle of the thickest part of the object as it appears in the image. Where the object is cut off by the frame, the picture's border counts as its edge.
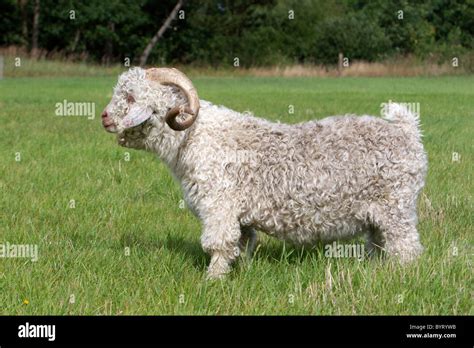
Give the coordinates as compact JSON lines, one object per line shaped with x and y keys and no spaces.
{"x":137,"y":114}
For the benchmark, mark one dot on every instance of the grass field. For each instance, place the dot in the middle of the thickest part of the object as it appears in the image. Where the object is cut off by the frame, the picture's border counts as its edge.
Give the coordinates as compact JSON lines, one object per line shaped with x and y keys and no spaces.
{"x":67,"y":187}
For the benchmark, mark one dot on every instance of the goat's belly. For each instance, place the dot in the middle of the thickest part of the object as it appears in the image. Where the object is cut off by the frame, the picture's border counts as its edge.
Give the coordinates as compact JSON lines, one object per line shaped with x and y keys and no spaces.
{"x":304,"y":229}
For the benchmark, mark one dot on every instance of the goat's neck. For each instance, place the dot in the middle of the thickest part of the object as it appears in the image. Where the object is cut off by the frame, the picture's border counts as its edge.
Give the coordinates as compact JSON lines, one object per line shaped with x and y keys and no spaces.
{"x":166,"y":143}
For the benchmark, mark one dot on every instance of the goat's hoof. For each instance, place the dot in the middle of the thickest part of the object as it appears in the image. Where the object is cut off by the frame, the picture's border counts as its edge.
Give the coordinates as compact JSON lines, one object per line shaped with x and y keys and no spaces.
{"x":215,"y":276}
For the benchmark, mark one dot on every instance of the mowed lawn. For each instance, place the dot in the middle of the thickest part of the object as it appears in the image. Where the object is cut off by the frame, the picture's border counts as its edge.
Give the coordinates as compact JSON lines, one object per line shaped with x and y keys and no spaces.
{"x":67,"y":187}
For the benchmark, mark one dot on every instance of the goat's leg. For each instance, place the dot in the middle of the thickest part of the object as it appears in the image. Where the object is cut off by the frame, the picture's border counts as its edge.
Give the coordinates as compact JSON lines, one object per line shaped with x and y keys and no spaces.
{"x":220,"y":238}
{"x":398,"y":235}
{"x":248,"y":241}
{"x":402,"y":241}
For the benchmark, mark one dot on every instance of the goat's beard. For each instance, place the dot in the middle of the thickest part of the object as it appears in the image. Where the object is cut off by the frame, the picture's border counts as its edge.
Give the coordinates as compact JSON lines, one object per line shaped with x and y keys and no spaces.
{"x":133,"y":138}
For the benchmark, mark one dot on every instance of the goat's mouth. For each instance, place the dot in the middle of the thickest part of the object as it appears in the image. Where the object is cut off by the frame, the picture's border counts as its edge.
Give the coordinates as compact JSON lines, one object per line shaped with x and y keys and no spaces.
{"x":109,"y":124}
{"x":110,"y":127}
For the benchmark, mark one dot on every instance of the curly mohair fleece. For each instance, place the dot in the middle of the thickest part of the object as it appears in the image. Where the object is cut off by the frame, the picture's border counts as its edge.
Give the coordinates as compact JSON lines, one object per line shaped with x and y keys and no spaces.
{"x":325,"y":180}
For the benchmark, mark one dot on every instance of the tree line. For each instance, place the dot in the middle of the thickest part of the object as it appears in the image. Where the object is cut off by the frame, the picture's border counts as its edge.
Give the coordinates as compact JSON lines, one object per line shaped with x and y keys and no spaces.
{"x":256,"y":32}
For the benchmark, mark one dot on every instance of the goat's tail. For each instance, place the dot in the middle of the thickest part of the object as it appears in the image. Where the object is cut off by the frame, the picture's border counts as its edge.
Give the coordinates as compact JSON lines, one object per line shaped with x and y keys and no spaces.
{"x":403,"y":114}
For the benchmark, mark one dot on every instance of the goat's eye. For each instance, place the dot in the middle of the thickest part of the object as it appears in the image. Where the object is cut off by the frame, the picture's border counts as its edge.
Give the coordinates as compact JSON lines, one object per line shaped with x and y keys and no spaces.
{"x":130,"y":99}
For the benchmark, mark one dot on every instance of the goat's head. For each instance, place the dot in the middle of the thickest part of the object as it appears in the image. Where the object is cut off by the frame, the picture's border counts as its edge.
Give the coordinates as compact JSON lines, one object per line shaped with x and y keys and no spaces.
{"x":146,"y":99}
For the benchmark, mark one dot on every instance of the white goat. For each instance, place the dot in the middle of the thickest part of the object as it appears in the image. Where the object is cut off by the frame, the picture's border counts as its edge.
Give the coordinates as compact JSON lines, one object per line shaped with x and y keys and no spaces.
{"x":321,"y":180}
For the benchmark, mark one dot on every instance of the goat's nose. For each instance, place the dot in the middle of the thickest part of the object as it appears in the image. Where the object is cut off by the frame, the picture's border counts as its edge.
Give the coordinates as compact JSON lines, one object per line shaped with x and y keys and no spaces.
{"x":104,"y":113}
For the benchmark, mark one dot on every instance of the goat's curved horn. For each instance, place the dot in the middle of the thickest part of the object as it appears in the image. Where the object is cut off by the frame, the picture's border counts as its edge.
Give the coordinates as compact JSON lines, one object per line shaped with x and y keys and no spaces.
{"x":167,"y":76}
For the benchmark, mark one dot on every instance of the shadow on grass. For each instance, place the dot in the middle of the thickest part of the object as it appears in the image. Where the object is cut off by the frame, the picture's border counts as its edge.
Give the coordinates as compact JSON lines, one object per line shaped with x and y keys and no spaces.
{"x":268,"y":251}
{"x":189,"y":249}
{"x":185,"y":248}
{"x":282,"y":252}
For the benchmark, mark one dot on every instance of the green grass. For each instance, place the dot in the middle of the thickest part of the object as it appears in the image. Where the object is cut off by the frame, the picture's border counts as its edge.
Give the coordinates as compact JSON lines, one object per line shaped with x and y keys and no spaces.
{"x":136,"y":204}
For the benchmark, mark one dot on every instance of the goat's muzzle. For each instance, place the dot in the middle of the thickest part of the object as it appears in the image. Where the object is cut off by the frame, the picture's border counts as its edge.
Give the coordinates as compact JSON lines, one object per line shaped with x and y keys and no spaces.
{"x":108,"y":123}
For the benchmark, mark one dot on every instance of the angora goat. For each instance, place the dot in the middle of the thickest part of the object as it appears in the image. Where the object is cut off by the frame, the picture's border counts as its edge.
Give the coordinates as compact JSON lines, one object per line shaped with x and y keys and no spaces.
{"x":325,"y":180}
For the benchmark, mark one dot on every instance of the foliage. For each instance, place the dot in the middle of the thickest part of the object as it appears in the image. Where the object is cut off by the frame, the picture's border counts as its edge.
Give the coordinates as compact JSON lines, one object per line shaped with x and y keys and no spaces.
{"x":258,"y":33}
{"x":346,"y":35}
